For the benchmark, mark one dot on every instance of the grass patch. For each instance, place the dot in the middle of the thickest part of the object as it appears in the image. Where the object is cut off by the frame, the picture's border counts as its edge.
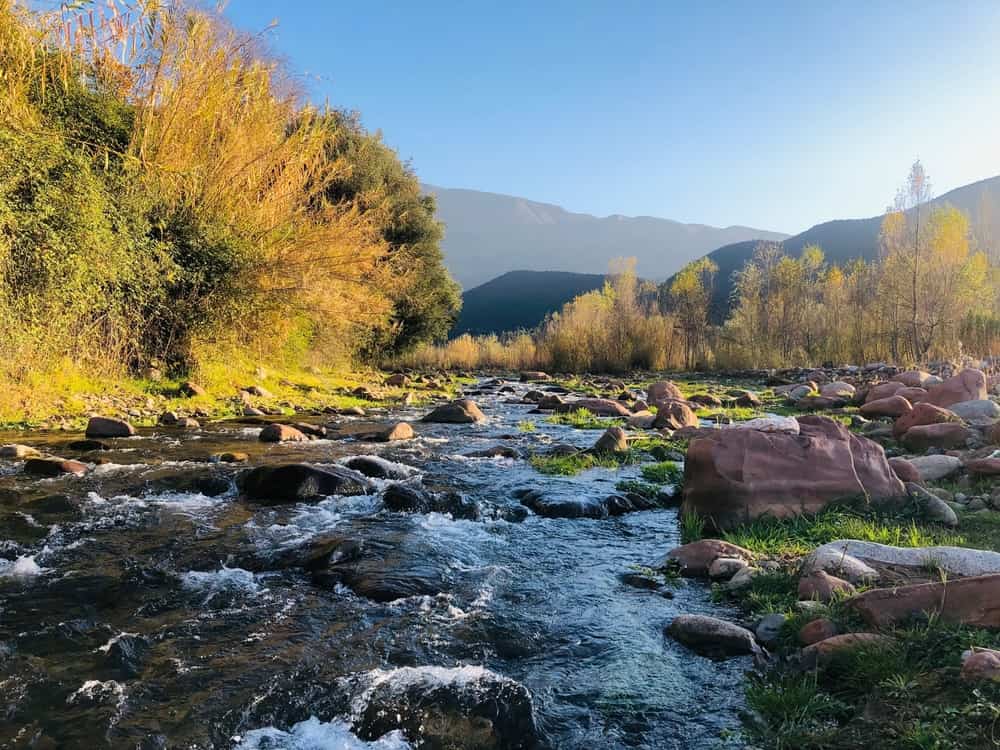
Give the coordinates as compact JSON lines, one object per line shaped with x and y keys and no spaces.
{"x":644,"y":489}
{"x":664,"y":472}
{"x":574,"y":464}
{"x":692,"y":527}
{"x":526,"y":425}
{"x":581,"y":419}
{"x":662,"y":449}
{"x":735,"y":413}
{"x":802,"y":534}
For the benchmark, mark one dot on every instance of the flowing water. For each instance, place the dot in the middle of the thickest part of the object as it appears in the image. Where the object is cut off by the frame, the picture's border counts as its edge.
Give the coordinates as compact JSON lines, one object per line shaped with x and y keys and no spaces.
{"x":145,"y":605}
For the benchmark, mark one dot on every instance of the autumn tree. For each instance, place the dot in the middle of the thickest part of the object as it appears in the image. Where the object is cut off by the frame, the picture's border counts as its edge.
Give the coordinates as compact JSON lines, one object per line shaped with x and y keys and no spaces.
{"x":691,"y":300}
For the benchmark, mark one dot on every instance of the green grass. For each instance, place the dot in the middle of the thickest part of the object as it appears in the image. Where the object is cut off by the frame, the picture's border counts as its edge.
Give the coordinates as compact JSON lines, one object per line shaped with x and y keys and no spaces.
{"x":664,"y":472}
{"x":645,"y":489}
{"x":581,"y":419}
{"x":662,"y":449}
{"x":907,"y":695}
{"x":735,"y":413}
{"x":526,"y":425}
{"x":802,"y":534}
{"x":570,"y":465}
{"x":692,"y":527}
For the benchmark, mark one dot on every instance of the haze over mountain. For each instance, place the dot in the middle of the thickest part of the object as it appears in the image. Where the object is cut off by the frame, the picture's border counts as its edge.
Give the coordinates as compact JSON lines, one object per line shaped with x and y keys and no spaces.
{"x":843,"y":240}
{"x":488,"y":234}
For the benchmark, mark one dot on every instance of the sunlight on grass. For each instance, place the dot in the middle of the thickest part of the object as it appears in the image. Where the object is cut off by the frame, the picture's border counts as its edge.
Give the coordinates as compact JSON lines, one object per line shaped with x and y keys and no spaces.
{"x":581,"y":419}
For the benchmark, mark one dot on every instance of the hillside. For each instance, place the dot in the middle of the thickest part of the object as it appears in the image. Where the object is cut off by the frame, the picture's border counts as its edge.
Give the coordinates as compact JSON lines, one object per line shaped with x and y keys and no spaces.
{"x":845,"y":239}
{"x":520,"y":299}
{"x":488,"y":234}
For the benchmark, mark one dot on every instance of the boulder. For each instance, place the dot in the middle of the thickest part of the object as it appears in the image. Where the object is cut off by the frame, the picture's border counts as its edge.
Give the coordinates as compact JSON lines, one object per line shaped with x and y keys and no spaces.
{"x":796,"y":392}
{"x":290,"y":483}
{"x":837,"y":389}
{"x":980,"y":664}
{"x":817,"y":630}
{"x":259,"y":391}
{"x":838,"y":563}
{"x":823,"y":651}
{"x":460,"y":708}
{"x":108,"y":427}
{"x":912,"y":378}
{"x":695,"y":558}
{"x":960,"y":561}
{"x":191,"y":389}
{"x":922,"y":414}
{"x":906,"y":471}
{"x":974,"y":602}
{"x":882,"y":390}
{"x":663,"y":390}
{"x":977,"y":410}
{"x":913,"y":395}
{"x":734,"y":476}
{"x":397,"y":380}
{"x":934,"y":508}
{"x":395,"y":432}
{"x":551,"y":401}
{"x":724,"y":568}
{"x":613,"y":440}
{"x":497,"y":451}
{"x":984,"y":467}
{"x":768,"y":630}
{"x":747,"y":399}
{"x":968,"y":385}
{"x":932,"y":468}
{"x":823,"y":587}
{"x":232,"y":457}
{"x":572,"y":505}
{"x":53,"y":467}
{"x":788,"y":425}
{"x":641,"y":420}
{"x":281,"y":433}
{"x":405,"y":498}
{"x":463,"y":411}
{"x":945,"y":435}
{"x":601,"y":407}
{"x":711,"y":636}
{"x":378,"y":467}
{"x":534,"y":376}
{"x":705,"y":399}
{"x":818,"y":403}
{"x":891,"y":406}
{"x":674,"y":415}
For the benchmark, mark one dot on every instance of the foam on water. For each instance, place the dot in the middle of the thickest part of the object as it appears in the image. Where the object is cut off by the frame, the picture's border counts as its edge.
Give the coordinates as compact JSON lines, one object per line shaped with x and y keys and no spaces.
{"x":23,"y":567}
{"x":222,"y":581}
{"x":313,"y":734}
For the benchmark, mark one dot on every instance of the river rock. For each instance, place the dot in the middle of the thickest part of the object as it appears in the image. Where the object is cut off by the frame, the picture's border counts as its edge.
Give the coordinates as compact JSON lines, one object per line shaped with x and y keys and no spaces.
{"x":711,"y":636}
{"x":734,"y":476}
{"x":642,"y":420}
{"x":933,"y":468}
{"x":705,"y":399}
{"x":534,"y":376}
{"x":695,"y":558}
{"x":108,"y":427}
{"x":724,"y":568}
{"x":837,"y":389}
{"x":913,"y":395}
{"x":613,"y":440}
{"x":922,"y":414}
{"x":415,"y":499}
{"x":379,"y":468}
{"x":823,"y":651}
{"x":818,"y":403}
{"x":906,"y":471}
{"x":18,"y":452}
{"x":934,"y":508}
{"x":663,"y":390}
{"x":945,"y":435}
{"x":823,"y":587}
{"x":788,"y":425}
{"x":979,"y":664}
{"x":817,"y":630}
{"x":978,"y":410}
{"x":971,"y":601}
{"x":397,"y":380}
{"x":463,"y":411}
{"x":601,"y":407}
{"x":892,"y":406}
{"x":674,"y":415}
{"x":395,"y":432}
{"x":53,"y":467}
{"x":882,"y":391}
{"x":281,"y":433}
{"x":838,"y":563}
{"x":984,"y":467}
{"x":768,"y":630}
{"x":960,"y":561}
{"x":913,"y":378}
{"x":968,"y":385}
{"x":461,"y":708}
{"x":290,"y":483}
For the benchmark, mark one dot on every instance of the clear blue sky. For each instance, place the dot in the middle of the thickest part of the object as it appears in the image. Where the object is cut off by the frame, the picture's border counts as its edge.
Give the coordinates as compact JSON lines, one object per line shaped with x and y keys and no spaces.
{"x":775,"y":115}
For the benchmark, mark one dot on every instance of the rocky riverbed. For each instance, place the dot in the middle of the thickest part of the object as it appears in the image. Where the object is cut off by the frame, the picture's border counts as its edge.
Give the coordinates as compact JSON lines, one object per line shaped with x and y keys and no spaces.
{"x":146,"y":602}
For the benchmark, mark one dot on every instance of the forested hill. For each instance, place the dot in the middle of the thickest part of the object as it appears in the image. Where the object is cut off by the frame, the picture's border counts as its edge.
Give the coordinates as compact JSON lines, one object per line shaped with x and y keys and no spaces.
{"x":487,"y":235}
{"x":845,"y":239}
{"x":520,"y":300}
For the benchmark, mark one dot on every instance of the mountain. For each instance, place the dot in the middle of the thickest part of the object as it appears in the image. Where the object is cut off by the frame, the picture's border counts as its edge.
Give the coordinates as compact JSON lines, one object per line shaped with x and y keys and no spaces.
{"x":846,"y":239}
{"x":487,"y":234}
{"x":520,"y":299}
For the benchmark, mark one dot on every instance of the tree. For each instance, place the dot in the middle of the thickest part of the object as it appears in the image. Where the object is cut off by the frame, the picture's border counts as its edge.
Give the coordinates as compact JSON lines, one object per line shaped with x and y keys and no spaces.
{"x":691,"y":299}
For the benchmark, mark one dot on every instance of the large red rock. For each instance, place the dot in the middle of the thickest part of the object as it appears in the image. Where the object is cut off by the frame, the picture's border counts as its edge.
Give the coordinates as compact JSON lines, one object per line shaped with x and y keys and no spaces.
{"x":662,"y":391}
{"x":674,"y":415}
{"x":823,"y":651}
{"x":913,"y":378}
{"x":823,"y":587}
{"x":984,"y":467}
{"x":906,"y":471}
{"x":968,"y":385}
{"x":913,"y":395}
{"x":695,"y":558}
{"x":882,"y":390}
{"x":922,"y":414}
{"x":601,"y":407}
{"x":981,"y":664}
{"x":817,"y":630}
{"x":945,"y":435}
{"x":734,"y":476}
{"x":973,"y":601}
{"x":891,"y":406}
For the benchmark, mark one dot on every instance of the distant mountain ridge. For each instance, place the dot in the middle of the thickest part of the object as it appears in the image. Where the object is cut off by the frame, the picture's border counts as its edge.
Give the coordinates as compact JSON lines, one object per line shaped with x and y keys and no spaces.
{"x":489,"y":234}
{"x":520,"y":300}
{"x":843,"y":240}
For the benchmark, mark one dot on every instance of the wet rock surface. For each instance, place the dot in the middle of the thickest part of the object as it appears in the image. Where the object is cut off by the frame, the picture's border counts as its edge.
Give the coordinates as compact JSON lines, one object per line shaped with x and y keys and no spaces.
{"x":191,"y":591}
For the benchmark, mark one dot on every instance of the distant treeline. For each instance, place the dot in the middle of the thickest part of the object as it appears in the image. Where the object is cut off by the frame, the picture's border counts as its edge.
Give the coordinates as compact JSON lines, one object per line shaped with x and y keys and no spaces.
{"x":930,"y":294}
{"x":165,"y":195}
